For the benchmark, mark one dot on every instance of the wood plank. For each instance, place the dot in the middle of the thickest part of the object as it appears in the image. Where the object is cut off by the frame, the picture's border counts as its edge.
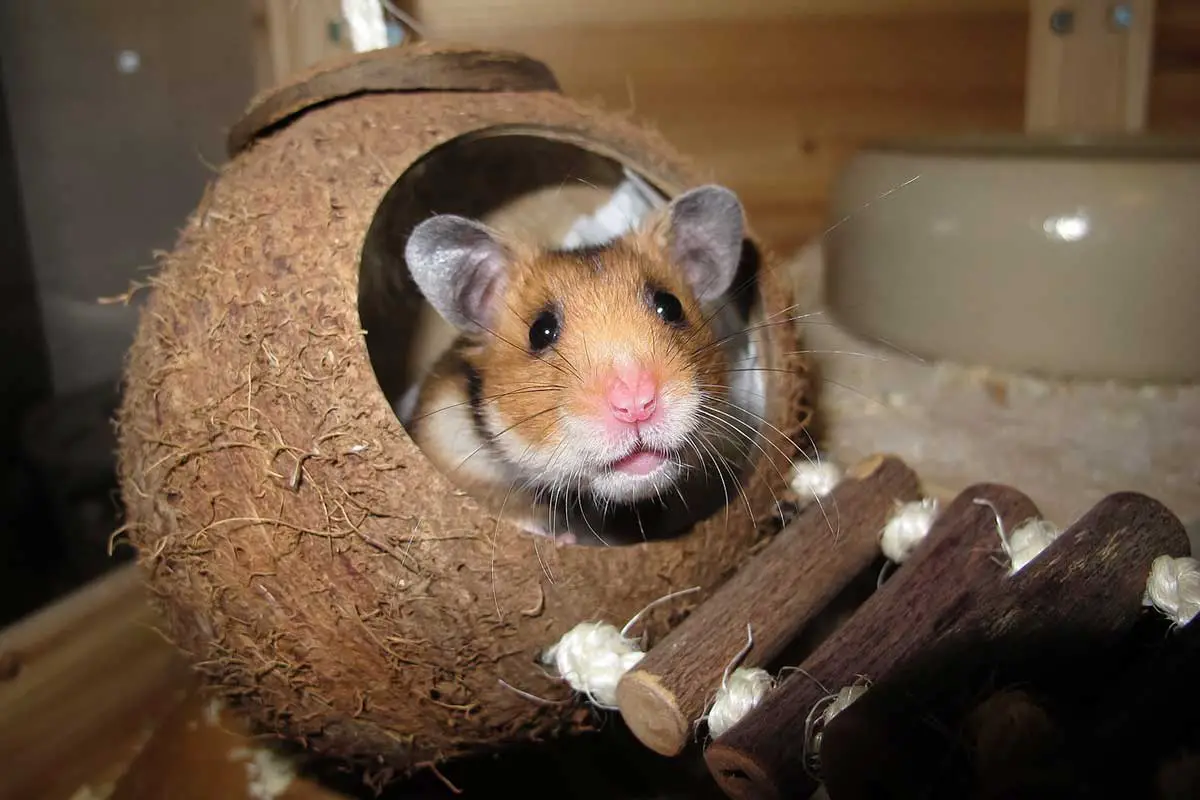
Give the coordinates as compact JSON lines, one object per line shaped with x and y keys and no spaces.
{"x":1090,"y":75}
{"x":516,"y":13}
{"x":1175,"y":87}
{"x":772,"y":598}
{"x":775,"y":95}
{"x":82,"y":685}
{"x":775,"y":102}
{"x":201,"y":751}
{"x":297,"y":35}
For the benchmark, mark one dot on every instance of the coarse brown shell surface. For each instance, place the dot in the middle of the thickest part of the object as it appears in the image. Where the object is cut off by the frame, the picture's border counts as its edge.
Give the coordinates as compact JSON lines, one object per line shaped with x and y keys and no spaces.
{"x":308,"y":558}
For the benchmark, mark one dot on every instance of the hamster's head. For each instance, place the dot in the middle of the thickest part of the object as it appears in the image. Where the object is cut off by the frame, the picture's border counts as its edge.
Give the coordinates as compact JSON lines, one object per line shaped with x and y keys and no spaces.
{"x":595,"y":370}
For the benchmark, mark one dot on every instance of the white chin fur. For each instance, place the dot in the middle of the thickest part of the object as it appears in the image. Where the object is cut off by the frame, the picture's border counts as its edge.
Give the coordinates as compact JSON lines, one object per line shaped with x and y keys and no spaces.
{"x":580,"y":460}
{"x":620,"y":487}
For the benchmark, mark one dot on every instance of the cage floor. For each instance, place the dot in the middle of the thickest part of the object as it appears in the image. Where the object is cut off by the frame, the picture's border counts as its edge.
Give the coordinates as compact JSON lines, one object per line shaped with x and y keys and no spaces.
{"x":1065,"y":444}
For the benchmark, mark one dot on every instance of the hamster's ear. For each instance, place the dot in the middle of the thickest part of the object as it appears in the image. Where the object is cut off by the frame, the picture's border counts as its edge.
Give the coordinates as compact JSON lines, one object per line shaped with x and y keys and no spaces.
{"x":703,"y":229}
{"x":459,"y":265}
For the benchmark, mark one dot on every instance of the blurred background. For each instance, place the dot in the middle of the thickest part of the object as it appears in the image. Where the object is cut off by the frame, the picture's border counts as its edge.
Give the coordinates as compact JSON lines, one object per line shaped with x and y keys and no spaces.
{"x":115,"y":111}
{"x":114,"y":115}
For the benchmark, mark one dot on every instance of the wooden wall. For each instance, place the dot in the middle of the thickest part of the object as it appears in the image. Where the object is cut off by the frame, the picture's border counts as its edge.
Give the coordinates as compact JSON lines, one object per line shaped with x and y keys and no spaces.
{"x":289,"y":37}
{"x":1175,"y":88}
{"x":775,"y":94}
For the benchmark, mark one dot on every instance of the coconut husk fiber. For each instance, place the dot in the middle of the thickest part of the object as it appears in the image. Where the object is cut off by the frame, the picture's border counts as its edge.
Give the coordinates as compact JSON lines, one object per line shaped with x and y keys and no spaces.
{"x":303,"y":552}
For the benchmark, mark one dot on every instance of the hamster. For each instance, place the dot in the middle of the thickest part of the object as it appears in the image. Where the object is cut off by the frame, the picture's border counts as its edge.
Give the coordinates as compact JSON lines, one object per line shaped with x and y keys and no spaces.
{"x":590,"y":390}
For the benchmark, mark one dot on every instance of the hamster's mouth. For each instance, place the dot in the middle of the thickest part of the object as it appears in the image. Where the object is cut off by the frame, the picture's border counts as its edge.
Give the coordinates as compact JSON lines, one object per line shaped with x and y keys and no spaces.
{"x":640,"y":461}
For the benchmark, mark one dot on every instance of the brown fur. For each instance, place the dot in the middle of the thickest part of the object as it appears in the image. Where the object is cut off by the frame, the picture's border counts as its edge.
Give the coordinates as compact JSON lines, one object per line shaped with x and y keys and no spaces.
{"x":602,"y":296}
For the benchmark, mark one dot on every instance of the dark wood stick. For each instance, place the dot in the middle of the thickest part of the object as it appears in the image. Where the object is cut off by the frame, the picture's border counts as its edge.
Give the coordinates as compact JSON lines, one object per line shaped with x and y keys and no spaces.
{"x":776,"y":592}
{"x":1018,"y":748}
{"x":1052,"y":624}
{"x":1147,"y":713}
{"x":765,"y":755}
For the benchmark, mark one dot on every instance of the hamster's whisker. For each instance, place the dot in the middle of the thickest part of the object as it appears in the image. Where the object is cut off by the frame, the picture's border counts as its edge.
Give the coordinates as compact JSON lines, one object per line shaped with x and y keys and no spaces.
{"x":726,"y":388}
{"x":793,"y":307}
{"x":733,"y":291}
{"x":682,"y":499}
{"x":526,"y":351}
{"x":727,"y":421}
{"x":761,"y":419}
{"x":550,"y":520}
{"x":496,"y":538}
{"x":742,"y":332}
{"x":587,"y":356}
{"x":524,"y":420}
{"x":712,"y":413}
{"x":786,"y":310}
{"x":554,"y":349}
{"x":824,"y":381}
{"x":691,"y":440}
{"x":811,"y":352}
{"x":490,"y":439}
{"x":803,"y":319}
{"x":735,"y":442}
{"x":537,"y":552}
{"x":800,"y":450}
{"x":712,"y":373}
{"x":491,"y":398}
{"x":713,"y":416}
{"x":741,"y":489}
{"x":583,"y":511}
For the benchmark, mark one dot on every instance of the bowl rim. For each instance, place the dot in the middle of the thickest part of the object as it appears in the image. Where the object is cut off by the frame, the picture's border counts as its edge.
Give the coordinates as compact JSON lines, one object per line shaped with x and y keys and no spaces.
{"x":1044,"y":146}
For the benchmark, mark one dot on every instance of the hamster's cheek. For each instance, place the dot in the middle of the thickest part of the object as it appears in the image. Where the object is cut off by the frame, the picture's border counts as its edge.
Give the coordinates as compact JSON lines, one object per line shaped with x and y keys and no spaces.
{"x":520,"y":441}
{"x":588,"y":442}
{"x":679,"y":413}
{"x":592,"y":433}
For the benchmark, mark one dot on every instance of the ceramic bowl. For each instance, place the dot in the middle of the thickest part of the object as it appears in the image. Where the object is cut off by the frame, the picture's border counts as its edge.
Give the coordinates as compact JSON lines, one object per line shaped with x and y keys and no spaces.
{"x":1069,"y":258}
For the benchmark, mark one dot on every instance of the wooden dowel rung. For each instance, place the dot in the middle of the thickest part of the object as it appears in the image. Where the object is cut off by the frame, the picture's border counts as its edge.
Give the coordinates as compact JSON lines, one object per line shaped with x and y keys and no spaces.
{"x":777,"y":592}
{"x":1047,"y":627}
{"x":765,"y":755}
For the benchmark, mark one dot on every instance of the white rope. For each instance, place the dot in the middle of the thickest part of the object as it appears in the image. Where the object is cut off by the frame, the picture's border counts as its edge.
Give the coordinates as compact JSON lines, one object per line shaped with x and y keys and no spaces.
{"x":1174,"y":588}
{"x":738,"y":696}
{"x":907,"y":528}
{"x":812,"y":480}
{"x":593,"y":656}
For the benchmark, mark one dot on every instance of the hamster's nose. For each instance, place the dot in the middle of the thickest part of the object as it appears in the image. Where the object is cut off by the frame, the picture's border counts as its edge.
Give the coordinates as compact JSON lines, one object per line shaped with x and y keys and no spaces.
{"x":632,"y":395}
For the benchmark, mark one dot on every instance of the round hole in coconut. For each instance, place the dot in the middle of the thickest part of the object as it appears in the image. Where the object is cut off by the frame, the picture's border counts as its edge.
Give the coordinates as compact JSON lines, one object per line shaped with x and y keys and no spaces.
{"x":304,"y":553}
{"x":545,"y":187}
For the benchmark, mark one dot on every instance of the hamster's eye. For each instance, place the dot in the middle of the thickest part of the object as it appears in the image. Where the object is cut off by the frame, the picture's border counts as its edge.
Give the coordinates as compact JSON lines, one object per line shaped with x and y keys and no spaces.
{"x":543,"y":333}
{"x":668,"y":307}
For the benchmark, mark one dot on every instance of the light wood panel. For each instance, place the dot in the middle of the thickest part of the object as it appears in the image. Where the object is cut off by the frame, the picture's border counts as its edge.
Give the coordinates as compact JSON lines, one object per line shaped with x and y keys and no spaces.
{"x":291,"y":35}
{"x":1092,"y":73}
{"x":82,"y":685}
{"x":1175,"y":82}
{"x":772,"y":95}
{"x":519,"y":13}
{"x":775,"y":95}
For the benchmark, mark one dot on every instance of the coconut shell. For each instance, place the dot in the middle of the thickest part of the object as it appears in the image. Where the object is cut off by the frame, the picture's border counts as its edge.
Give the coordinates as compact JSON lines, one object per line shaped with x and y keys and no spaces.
{"x":305,"y":554}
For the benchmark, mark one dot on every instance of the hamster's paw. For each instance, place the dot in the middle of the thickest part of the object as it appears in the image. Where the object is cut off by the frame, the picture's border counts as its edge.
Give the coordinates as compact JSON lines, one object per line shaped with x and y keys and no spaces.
{"x":538,"y":528}
{"x":531,"y":525}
